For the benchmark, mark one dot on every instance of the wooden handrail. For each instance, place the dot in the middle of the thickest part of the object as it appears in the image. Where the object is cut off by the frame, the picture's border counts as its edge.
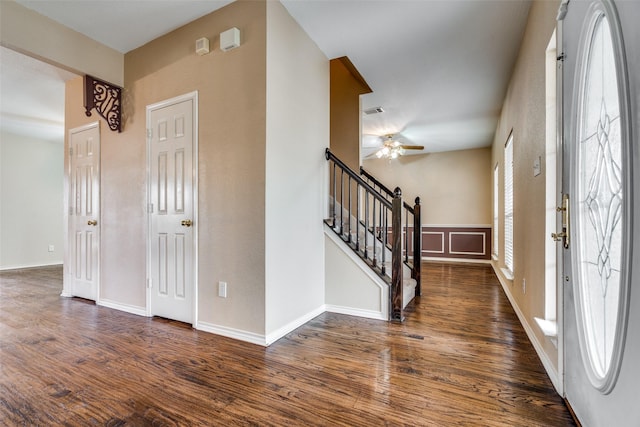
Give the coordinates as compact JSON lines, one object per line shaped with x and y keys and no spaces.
{"x":376,"y":182}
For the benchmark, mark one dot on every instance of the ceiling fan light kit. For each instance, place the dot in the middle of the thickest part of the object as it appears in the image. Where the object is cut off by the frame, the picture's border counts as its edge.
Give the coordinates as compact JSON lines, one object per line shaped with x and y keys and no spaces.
{"x":392,"y":149}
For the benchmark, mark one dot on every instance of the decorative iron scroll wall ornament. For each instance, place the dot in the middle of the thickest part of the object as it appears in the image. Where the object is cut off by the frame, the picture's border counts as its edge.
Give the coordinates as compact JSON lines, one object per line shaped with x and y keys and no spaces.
{"x":106,"y":99}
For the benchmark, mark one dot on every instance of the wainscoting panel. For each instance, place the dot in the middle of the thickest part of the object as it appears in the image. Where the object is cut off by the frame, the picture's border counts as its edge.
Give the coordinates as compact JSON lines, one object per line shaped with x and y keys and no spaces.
{"x":464,"y":242}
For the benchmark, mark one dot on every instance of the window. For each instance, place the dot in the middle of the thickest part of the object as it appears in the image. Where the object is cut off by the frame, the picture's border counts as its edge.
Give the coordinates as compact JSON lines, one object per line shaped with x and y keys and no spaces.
{"x":496,"y":213}
{"x":548,"y":324}
{"x":508,"y":204}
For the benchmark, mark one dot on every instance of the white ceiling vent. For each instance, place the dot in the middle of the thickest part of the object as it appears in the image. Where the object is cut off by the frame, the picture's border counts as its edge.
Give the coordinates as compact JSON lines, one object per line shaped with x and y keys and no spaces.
{"x":374,"y":110}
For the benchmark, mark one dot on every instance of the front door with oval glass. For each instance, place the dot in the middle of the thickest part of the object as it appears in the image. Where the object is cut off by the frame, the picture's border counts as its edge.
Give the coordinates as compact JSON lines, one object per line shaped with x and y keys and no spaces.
{"x":599,"y":342}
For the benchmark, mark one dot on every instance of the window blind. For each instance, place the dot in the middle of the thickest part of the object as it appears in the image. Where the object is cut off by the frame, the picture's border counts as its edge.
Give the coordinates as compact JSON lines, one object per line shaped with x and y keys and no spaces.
{"x":508,"y":204}
{"x":496,"y":213}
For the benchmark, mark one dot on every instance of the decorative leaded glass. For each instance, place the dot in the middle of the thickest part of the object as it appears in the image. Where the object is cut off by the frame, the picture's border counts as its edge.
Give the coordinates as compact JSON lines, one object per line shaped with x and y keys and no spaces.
{"x":600,"y":200}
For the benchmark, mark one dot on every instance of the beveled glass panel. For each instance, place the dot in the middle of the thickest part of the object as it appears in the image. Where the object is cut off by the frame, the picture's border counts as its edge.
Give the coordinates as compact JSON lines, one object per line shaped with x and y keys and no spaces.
{"x":600,"y":200}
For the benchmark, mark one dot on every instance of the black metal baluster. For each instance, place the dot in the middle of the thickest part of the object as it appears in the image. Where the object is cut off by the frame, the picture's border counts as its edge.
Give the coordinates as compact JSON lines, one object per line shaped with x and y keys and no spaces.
{"x":341,"y":203}
{"x":406,"y":235}
{"x":357,"y":216}
{"x":334,"y":196}
{"x":349,"y":211}
{"x":374,"y":233}
{"x":380,"y":229}
{"x":366,"y":224}
{"x":384,"y":241}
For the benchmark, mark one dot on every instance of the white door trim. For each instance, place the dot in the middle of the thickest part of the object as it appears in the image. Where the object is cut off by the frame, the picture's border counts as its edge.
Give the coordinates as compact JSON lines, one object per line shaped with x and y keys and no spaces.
{"x":150,"y":108}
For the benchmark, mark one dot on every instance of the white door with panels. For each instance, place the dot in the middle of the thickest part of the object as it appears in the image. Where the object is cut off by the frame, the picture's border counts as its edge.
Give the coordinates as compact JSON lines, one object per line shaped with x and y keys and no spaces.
{"x":172,"y":132}
{"x":84,"y":211}
{"x":601,"y":283}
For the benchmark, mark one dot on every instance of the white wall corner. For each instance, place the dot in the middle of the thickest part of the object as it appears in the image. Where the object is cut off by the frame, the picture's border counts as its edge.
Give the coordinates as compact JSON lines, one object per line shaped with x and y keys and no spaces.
{"x":274,"y":336}
{"x":233,"y":333}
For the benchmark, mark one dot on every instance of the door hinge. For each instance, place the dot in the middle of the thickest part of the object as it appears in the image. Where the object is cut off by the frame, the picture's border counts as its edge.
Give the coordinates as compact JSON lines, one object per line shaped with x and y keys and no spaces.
{"x":149,"y":283}
{"x":150,"y":208}
{"x":71,"y":151}
{"x":149,"y":133}
{"x":561,"y":57}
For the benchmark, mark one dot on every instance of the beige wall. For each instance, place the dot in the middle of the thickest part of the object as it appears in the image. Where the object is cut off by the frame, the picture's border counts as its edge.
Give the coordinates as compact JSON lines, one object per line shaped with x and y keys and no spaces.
{"x":26,"y":31}
{"x":232,"y":89}
{"x":524,"y":112}
{"x":259,"y":228}
{"x":454,"y":187}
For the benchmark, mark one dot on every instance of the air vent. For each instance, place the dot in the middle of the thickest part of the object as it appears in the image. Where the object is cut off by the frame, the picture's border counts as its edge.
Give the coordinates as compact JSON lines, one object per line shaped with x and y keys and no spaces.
{"x":374,"y":110}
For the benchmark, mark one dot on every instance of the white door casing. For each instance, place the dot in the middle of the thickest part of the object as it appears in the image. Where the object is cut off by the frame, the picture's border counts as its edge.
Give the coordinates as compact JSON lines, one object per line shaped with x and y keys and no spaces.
{"x":84,"y":212}
{"x":172,"y":245}
{"x":600,"y":378}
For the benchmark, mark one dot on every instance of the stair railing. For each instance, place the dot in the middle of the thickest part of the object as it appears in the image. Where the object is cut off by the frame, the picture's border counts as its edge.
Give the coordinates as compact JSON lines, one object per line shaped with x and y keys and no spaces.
{"x":373,"y":217}
{"x":413,"y":235}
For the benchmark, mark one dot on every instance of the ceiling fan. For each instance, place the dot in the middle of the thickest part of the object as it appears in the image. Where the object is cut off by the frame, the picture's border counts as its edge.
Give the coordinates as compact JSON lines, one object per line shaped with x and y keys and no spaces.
{"x":392,"y":148}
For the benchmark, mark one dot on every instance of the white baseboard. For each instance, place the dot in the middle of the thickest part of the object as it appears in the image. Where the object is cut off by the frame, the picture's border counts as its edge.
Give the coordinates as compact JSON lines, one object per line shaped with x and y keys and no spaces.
{"x":461,"y":260}
{"x":546,"y":362}
{"x":284,"y":330}
{"x":20,"y":267}
{"x":133,"y":309}
{"x":236,"y":334}
{"x":252,"y":337}
{"x":369,"y":314}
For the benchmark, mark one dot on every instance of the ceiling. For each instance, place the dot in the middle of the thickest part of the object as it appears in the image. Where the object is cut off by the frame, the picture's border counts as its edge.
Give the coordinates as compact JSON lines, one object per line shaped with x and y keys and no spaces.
{"x":31,"y":97}
{"x":438,"y":68}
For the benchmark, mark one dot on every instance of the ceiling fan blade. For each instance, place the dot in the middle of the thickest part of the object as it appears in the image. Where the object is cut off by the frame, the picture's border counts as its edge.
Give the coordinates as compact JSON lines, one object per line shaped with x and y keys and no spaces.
{"x":412,"y":147}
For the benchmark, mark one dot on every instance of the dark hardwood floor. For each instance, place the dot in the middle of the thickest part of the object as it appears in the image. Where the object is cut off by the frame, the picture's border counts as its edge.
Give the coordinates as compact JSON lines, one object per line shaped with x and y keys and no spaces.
{"x":461,"y":358}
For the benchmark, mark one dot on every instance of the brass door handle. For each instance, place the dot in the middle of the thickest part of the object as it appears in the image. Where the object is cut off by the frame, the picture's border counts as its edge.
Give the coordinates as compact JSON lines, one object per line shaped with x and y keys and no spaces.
{"x":92,"y":222}
{"x":563,"y":236}
{"x":186,"y":223}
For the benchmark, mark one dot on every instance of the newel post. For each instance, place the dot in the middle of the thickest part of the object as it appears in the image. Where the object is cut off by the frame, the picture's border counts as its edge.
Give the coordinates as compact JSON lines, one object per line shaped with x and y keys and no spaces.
{"x":417,"y":247}
{"x":396,"y":257}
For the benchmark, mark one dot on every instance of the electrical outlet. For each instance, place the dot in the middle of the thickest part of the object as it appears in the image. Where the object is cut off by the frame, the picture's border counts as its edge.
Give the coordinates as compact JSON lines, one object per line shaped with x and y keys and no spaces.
{"x":524,"y":285}
{"x":52,"y":248}
{"x":222,"y":289}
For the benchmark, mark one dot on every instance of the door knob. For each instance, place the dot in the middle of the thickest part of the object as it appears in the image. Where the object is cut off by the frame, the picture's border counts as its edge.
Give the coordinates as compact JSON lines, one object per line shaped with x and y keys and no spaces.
{"x":92,"y":222}
{"x":186,"y":223}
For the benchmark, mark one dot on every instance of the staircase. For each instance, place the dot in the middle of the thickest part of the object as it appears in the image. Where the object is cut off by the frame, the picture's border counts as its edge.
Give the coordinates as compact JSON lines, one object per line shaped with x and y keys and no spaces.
{"x":379,"y":227}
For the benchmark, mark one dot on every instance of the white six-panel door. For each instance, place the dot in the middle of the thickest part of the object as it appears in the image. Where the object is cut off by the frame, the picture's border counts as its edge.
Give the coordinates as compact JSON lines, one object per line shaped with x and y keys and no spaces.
{"x":171,"y":252}
{"x":84,"y":211}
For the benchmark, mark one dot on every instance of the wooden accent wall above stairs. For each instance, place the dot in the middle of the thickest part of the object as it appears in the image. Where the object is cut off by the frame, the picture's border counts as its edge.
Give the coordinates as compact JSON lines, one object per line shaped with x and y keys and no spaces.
{"x":346,"y":87}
